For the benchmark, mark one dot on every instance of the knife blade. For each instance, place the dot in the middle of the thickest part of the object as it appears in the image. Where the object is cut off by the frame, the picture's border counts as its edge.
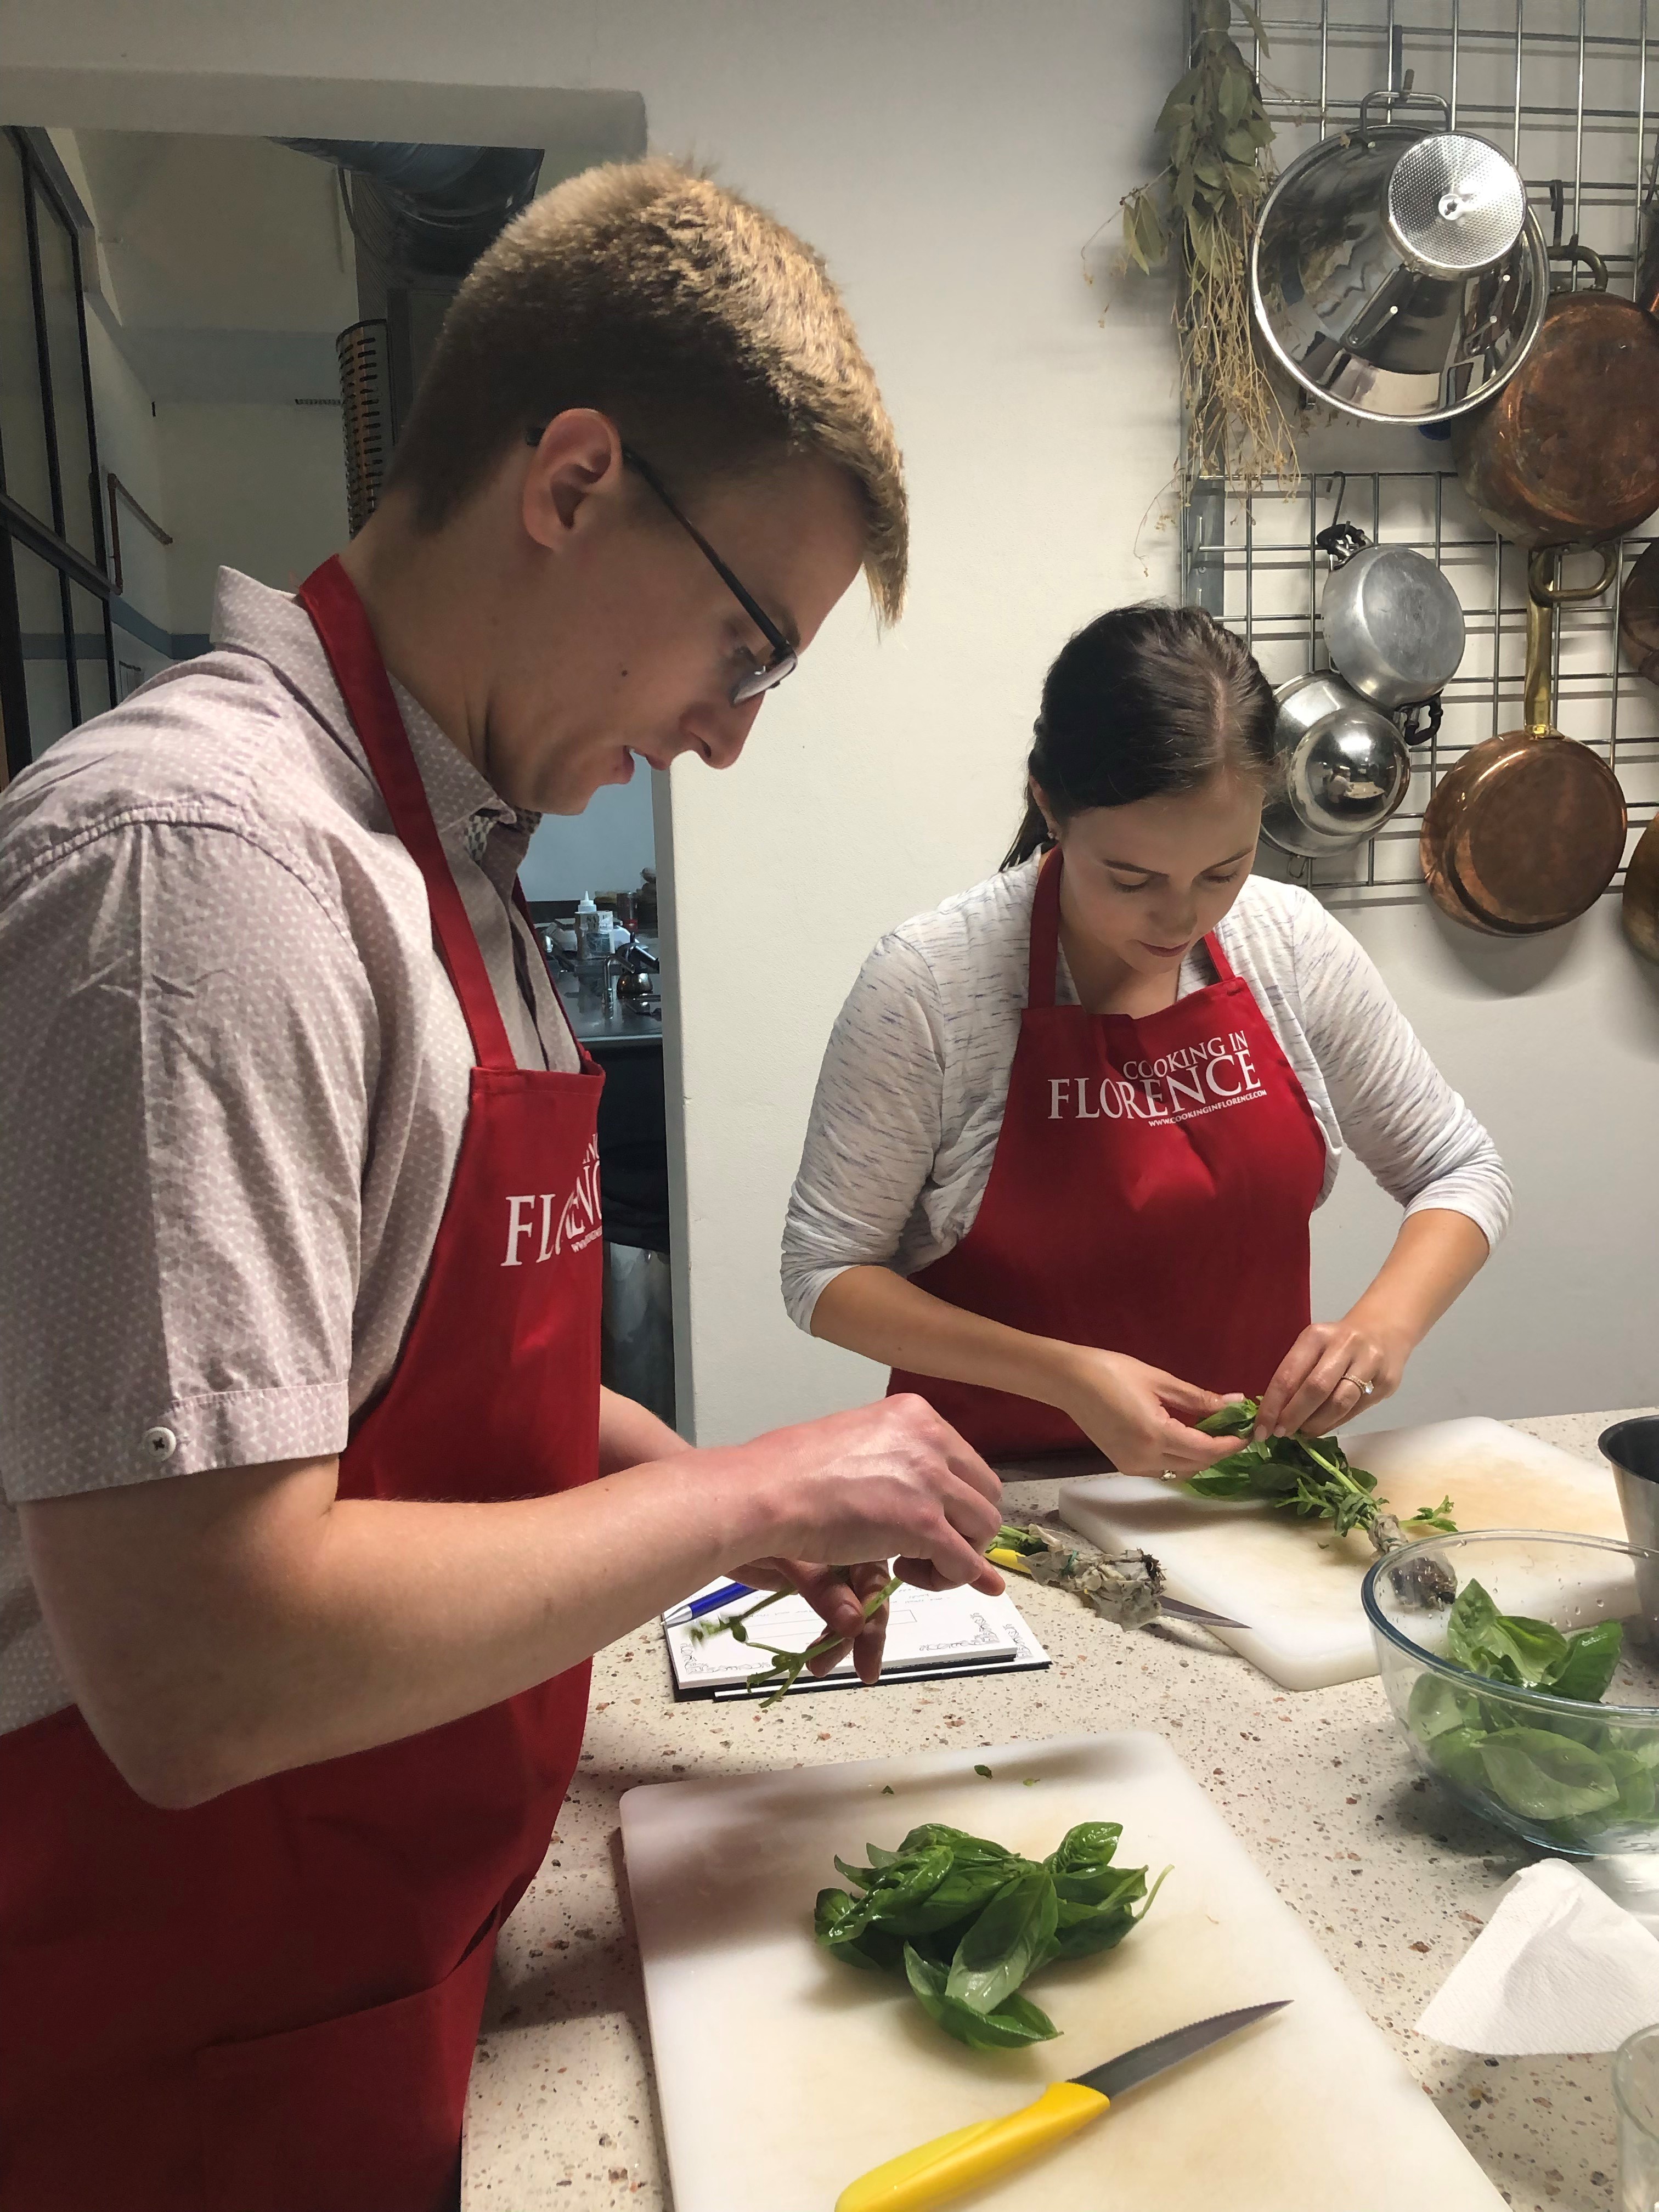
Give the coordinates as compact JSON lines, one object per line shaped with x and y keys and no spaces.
{"x":1178,"y":1609}
{"x":1147,"y":2059}
{"x":920,"y":2179}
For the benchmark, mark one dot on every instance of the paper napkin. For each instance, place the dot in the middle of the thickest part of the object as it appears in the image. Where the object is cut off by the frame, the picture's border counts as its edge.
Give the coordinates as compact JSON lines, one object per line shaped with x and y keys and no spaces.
{"x":1559,"y":1967}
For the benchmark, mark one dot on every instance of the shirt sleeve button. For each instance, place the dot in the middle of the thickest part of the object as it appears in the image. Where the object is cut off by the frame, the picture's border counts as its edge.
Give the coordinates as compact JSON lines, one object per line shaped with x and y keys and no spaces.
{"x":160,"y":1443}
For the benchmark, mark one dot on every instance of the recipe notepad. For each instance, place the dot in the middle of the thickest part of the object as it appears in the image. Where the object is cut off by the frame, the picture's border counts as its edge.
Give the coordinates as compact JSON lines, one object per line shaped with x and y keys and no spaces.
{"x":930,"y":1634}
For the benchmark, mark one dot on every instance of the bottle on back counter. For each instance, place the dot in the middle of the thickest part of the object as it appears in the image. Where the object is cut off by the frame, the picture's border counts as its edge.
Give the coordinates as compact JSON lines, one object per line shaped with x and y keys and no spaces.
{"x":591,"y":949}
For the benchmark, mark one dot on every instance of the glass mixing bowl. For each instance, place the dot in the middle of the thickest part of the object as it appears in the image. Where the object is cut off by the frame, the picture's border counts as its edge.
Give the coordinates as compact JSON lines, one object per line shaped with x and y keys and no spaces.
{"x":1571,"y":1776}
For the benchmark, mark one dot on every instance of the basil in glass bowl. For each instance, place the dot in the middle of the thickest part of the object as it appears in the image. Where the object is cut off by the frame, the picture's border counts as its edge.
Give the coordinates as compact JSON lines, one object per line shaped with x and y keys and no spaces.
{"x":1525,"y":1676}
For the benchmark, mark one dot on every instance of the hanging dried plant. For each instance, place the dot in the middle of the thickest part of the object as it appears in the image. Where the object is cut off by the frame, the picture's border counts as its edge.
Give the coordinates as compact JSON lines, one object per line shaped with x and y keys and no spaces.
{"x":1204,"y":207}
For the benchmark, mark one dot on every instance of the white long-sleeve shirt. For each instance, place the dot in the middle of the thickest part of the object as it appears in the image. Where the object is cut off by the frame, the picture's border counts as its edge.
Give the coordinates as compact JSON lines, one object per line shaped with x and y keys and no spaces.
{"x":909,"y":1100}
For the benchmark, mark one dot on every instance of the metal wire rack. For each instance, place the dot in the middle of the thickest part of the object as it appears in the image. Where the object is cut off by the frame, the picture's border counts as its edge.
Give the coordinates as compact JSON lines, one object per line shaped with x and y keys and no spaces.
{"x":1565,"y":86}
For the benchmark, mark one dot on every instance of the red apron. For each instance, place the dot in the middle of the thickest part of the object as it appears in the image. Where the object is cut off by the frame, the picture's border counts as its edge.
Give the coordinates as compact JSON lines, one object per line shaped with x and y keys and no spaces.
{"x":1150,"y":1194}
{"x":269,"y":2002}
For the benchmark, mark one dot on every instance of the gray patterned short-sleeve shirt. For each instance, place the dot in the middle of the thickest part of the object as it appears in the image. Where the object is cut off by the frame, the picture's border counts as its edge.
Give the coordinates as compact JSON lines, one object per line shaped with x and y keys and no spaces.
{"x":235,"y":1078}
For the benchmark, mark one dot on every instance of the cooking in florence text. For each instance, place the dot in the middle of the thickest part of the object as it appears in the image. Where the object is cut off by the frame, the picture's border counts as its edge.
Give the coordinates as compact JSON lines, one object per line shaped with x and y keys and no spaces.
{"x":1198,"y":1078}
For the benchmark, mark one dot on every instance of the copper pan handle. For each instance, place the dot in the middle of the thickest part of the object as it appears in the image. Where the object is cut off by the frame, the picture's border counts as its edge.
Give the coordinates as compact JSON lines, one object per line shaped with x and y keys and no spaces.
{"x":1540,"y":651}
{"x":1545,"y":592}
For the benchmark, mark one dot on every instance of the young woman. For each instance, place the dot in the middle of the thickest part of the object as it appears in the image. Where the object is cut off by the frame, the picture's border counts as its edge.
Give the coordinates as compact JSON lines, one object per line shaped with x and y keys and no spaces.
{"x":1071,"y":1127}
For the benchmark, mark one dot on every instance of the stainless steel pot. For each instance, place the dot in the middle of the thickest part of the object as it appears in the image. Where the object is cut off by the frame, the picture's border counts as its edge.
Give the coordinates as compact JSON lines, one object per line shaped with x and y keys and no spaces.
{"x":1344,"y":766}
{"x":1398,"y":274}
{"x":1393,"y":622}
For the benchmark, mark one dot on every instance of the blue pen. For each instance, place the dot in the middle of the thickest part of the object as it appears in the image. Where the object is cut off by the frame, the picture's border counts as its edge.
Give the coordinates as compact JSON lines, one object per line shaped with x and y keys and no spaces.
{"x":710,"y":1601}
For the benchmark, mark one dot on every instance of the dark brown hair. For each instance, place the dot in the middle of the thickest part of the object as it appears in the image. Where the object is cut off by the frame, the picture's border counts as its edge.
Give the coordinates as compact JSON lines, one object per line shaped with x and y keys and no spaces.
{"x":1144,"y":701}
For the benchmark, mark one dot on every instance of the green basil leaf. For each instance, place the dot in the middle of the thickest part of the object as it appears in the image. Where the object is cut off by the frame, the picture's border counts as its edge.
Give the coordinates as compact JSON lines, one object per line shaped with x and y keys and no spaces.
{"x":1084,"y":1858}
{"x":1223,"y":1481}
{"x":1234,"y":95}
{"x":1011,"y":2025}
{"x":1012,"y":1937}
{"x":833,"y":1908}
{"x":1467,"y":1625}
{"x":1638,"y":1794}
{"x":837,"y":1924}
{"x":1546,"y":1777}
{"x":965,"y":1850}
{"x":1436,"y":1705}
{"x":1233,"y":1420}
{"x":961,"y":1896}
{"x":1457,"y":1753}
{"x":1589,"y":1663}
{"x":900,"y":1887}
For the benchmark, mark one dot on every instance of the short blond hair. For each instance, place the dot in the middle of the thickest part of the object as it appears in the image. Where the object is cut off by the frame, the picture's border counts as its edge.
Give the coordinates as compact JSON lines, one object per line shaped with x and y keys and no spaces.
{"x":711,"y":336}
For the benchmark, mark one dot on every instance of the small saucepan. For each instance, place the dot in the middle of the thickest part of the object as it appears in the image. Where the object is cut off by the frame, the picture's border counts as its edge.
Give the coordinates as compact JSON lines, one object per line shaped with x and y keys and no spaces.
{"x":1393,"y":622}
{"x":1527,"y":829}
{"x":1344,"y":768}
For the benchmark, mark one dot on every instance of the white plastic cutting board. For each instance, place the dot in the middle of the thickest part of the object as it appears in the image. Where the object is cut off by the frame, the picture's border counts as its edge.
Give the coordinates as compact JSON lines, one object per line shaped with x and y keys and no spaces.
{"x":1293,"y":1582}
{"x":783,"y":2075}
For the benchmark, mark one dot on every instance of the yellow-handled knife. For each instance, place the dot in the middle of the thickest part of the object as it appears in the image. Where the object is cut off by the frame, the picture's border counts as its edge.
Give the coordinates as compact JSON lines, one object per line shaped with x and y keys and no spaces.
{"x":950,"y":2164}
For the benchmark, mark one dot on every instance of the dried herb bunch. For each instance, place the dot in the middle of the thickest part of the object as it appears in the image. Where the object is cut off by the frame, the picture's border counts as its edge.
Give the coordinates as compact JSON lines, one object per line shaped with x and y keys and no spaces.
{"x":1203,"y":206}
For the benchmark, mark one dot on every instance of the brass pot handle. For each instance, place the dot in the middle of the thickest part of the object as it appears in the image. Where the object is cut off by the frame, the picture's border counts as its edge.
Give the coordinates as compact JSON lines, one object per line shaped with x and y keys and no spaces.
{"x":1544,"y":574}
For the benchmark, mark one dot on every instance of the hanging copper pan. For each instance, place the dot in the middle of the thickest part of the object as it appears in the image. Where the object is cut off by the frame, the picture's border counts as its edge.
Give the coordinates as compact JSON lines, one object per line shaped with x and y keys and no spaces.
{"x":1638,"y":615}
{"x":1568,"y":452}
{"x":1640,"y":913}
{"x":1527,"y":829}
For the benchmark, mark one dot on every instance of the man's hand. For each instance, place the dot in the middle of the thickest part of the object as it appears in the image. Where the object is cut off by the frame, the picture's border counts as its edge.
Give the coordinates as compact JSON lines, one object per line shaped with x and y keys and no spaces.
{"x":1138,"y":1416}
{"x":891,"y":1480}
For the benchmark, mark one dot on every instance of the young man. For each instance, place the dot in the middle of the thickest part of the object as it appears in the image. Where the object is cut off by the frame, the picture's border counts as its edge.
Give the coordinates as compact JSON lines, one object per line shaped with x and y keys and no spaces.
{"x":319,"y":1508}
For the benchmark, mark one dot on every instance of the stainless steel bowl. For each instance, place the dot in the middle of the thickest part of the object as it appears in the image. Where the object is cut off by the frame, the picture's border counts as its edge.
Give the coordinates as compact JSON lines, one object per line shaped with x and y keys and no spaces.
{"x":1397,"y":274}
{"x":1344,"y":767}
{"x":1394,"y":625}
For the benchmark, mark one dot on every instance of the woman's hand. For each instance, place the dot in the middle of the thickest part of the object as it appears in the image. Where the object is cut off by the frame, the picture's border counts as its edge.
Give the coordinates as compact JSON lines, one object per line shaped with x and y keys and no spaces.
{"x":1138,"y":1415}
{"x":838,"y":1594}
{"x":1321,"y":1381}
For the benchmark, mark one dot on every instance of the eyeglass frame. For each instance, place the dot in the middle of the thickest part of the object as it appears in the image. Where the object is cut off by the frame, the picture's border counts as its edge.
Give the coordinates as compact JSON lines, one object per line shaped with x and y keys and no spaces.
{"x":785,"y":657}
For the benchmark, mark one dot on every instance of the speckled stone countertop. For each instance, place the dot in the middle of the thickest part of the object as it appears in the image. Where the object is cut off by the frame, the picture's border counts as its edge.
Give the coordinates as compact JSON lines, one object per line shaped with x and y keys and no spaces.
{"x":1392,"y":1879}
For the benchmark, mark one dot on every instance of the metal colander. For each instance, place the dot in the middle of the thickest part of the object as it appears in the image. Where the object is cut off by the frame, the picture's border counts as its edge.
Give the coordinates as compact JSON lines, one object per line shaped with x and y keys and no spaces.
{"x":1397,"y":273}
{"x":1456,"y":205}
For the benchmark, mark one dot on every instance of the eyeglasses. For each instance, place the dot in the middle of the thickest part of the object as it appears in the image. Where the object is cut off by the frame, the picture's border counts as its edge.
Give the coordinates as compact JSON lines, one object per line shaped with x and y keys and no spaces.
{"x":784,"y":655}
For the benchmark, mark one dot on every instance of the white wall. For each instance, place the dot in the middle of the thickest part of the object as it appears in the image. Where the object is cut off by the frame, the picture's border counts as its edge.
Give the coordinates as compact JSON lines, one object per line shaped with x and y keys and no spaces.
{"x":261,"y":488}
{"x":601,"y":849}
{"x":951,"y":160}
{"x":129,"y":447}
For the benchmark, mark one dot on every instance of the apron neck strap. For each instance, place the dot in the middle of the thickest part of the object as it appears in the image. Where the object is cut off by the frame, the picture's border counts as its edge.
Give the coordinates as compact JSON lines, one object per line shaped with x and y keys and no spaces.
{"x":1044,"y":979}
{"x":331,"y":599}
{"x":1045,"y":934}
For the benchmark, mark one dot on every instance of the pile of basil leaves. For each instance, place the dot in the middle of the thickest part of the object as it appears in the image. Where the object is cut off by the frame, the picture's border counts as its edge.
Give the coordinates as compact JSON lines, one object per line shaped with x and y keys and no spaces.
{"x":1571,"y":1778}
{"x":967,"y":1921}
